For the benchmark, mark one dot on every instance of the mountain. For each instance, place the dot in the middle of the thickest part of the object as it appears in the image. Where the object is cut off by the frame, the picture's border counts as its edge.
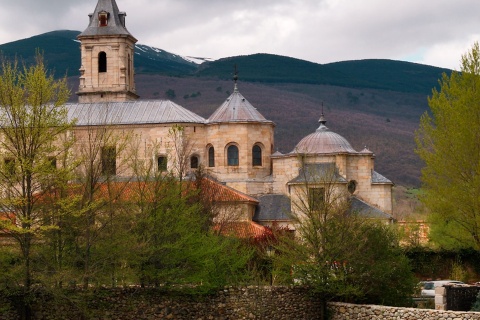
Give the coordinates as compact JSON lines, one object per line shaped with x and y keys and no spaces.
{"x":61,"y":51}
{"x":374,"y":103}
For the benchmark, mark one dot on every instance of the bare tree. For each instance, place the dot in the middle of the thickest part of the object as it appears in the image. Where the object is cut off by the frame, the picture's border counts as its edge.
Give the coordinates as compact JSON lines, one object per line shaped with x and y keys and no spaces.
{"x":102,"y":151}
{"x":337,"y":252}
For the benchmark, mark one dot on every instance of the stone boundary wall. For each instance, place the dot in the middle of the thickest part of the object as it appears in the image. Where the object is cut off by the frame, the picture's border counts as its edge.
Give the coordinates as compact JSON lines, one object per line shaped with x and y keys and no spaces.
{"x":342,"y":311}
{"x":137,"y":303}
{"x":234,"y":303}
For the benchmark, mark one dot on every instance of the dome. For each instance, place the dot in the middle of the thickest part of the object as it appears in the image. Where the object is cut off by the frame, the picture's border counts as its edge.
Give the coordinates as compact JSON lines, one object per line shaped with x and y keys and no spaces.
{"x":323,"y":141}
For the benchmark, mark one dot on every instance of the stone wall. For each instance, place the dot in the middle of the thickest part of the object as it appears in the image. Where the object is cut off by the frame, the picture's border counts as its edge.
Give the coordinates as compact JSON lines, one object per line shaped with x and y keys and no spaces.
{"x":342,"y":311}
{"x":229,"y":304}
{"x":137,"y":303}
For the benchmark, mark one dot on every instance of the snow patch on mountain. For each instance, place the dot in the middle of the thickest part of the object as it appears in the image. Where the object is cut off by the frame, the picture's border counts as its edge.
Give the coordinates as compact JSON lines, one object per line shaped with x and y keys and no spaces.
{"x":153,"y":52}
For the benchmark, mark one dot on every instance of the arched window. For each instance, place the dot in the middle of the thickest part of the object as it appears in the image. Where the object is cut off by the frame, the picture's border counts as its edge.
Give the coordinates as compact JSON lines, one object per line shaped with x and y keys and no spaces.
{"x":232,"y":155}
{"x":194,"y":162}
{"x":256,"y":155}
{"x":211,"y":157}
{"x":102,"y":62}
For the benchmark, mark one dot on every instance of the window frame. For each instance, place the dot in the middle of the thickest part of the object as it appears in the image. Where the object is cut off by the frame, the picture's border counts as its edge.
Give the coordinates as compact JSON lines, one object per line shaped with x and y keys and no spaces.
{"x":211,"y":156}
{"x":233,"y":155}
{"x":102,"y":62}
{"x":162,"y":166}
{"x":194,"y":161}
{"x":257,"y":160}
{"x":10,"y":166}
{"x":316,"y":198}
{"x":109,"y":160}
{"x":103,"y":19}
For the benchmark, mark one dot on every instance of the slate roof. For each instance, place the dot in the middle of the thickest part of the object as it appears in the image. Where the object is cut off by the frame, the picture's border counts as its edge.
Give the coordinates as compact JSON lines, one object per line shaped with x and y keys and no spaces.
{"x":323,"y":141}
{"x":366,"y":210}
{"x":273,"y":207}
{"x":377,"y":178}
{"x":116,"y":21}
{"x":318,"y":173}
{"x":237,"y":109}
{"x":131,"y":112}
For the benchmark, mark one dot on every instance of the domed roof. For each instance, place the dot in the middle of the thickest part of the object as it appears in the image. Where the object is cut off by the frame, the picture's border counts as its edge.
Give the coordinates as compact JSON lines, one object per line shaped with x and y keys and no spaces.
{"x":323,"y":141}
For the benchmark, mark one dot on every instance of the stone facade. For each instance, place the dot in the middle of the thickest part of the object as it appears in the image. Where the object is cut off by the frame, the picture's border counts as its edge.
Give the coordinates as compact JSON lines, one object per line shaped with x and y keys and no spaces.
{"x":235,"y":144}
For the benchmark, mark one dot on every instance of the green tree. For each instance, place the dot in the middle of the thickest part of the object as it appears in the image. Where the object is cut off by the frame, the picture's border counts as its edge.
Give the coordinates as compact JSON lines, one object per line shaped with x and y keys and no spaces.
{"x":170,"y":93}
{"x":34,"y":134}
{"x":448,"y":142}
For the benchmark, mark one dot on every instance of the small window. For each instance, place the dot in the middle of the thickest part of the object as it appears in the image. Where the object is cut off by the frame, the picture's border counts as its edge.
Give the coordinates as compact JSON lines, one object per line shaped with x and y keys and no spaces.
{"x":211,"y":157}
{"x":256,"y":155}
{"x":162,"y":163}
{"x":352,"y":186}
{"x":103,"y":19}
{"x":316,"y":198}
{"x":102,"y":62}
{"x":232,"y":155}
{"x":9,"y":166}
{"x":52,"y":161}
{"x":109,"y":161}
{"x":194,"y":162}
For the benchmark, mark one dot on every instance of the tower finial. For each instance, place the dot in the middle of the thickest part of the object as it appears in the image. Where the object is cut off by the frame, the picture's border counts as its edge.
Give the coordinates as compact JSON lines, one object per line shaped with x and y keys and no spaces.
{"x":322,"y":117}
{"x":235,"y":78}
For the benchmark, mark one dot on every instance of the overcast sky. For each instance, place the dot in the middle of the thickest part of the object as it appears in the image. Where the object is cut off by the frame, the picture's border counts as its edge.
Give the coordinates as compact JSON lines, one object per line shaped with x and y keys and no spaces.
{"x":433,"y":32}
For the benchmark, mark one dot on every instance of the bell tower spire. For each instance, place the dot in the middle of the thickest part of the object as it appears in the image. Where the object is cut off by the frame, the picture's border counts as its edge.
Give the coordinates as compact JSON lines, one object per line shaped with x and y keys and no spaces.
{"x":107,"y":50}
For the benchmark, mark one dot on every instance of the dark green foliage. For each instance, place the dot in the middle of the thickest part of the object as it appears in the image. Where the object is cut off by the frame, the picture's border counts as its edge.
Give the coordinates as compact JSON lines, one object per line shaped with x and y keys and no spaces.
{"x":59,"y":49}
{"x":437,"y":264}
{"x":392,"y":75}
{"x":379,"y":74}
{"x":170,"y":93}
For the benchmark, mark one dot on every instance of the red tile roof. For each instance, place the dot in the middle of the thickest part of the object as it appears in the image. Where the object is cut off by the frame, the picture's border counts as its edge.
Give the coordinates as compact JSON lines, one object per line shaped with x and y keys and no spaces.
{"x":218,"y":192}
{"x":243,"y":230}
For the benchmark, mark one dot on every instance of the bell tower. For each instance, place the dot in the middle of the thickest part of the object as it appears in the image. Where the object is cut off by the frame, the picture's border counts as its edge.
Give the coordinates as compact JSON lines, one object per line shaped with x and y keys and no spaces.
{"x":107,"y":50}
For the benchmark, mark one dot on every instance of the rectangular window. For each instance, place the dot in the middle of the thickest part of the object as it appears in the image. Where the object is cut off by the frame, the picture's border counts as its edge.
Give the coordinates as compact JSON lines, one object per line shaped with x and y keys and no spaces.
{"x":9,"y":166}
{"x":316,"y":198}
{"x":109,"y":161}
{"x":162,"y":163}
{"x":211,"y":157}
{"x":53,"y":162}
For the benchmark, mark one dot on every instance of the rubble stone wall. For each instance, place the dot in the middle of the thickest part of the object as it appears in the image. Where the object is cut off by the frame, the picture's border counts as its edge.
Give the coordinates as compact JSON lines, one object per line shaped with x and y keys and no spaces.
{"x":342,"y":311}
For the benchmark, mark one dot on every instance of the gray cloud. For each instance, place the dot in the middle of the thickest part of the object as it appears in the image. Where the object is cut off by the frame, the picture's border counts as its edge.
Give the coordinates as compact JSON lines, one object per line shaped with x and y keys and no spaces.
{"x":435,"y":33}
